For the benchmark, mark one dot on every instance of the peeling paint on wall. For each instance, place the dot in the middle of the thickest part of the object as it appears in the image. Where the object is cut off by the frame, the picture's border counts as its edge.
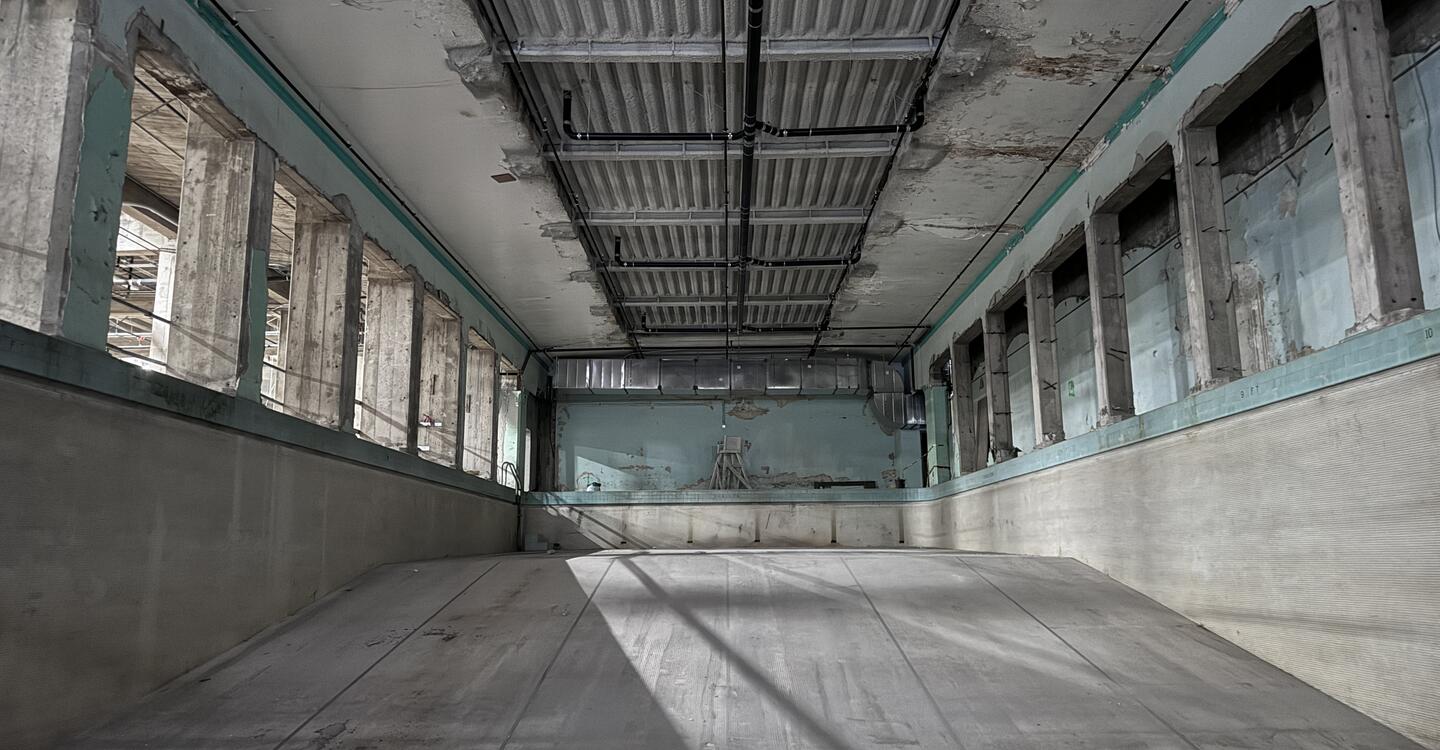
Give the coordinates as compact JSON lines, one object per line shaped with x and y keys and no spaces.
{"x":1083,"y":68}
{"x":1037,"y":149}
{"x":746,"y":409}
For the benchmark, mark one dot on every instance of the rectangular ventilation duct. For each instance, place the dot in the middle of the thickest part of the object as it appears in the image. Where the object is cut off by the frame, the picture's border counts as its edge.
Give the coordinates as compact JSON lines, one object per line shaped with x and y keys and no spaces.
{"x":677,"y":377}
{"x":784,"y":378}
{"x":718,"y":377}
{"x":642,"y":376}
{"x":607,"y":377}
{"x":899,"y":411}
{"x":748,"y":377}
{"x":752,"y":376}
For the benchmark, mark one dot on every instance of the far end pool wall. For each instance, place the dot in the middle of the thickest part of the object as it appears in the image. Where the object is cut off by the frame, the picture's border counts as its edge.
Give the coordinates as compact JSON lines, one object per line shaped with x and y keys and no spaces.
{"x":670,"y":445}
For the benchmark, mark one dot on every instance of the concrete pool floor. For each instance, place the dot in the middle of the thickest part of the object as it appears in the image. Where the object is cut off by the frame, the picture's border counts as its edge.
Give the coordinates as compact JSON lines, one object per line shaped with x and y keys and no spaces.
{"x":740,"y":649}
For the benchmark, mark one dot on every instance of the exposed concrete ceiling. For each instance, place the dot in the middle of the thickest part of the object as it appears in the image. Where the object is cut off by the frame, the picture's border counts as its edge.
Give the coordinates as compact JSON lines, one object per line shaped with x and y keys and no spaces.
{"x":380,"y":71}
{"x":1021,"y":78}
{"x":414,"y":87}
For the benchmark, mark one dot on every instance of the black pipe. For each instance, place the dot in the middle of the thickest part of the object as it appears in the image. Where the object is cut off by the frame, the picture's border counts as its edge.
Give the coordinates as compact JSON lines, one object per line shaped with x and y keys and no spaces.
{"x":682,"y":264}
{"x":868,"y":328}
{"x":678,"y":265}
{"x":914,"y":120}
{"x":682,"y":331}
{"x":803,"y":263}
{"x":779,"y":329}
{"x":705,"y":330}
{"x":720,"y":13}
{"x":619,"y":260}
{"x":568,"y":124}
{"x":701,"y":348}
{"x":703,"y":265}
{"x":754,"y":31}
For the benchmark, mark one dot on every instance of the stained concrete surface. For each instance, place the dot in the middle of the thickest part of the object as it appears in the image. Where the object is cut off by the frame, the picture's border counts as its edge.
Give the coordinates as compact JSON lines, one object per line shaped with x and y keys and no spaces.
{"x":135,"y":544}
{"x":740,"y":649}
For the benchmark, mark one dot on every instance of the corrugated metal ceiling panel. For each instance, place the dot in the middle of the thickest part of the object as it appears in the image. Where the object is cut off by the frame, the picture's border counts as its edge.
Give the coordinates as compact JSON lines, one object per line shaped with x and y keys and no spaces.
{"x":668,"y":97}
{"x":645,"y":184}
{"x":613,"y":56}
{"x":769,"y":242}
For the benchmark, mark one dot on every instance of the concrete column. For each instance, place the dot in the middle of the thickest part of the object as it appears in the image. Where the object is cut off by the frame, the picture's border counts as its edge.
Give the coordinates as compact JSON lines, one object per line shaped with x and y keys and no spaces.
{"x":997,"y":387}
{"x":323,"y":337}
{"x":42,"y":83}
{"x":210,"y":288}
{"x":439,"y":382}
{"x":962,"y":410}
{"x":1105,"y":267}
{"x":1374,"y":192}
{"x":392,"y":315}
{"x":1205,"y":249}
{"x":937,"y":433}
{"x":63,"y":130}
{"x":482,"y":370}
{"x":1044,"y":361}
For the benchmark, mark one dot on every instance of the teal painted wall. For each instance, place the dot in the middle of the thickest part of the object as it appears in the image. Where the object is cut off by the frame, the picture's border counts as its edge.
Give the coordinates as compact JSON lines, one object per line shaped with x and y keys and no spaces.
{"x":668,"y":445}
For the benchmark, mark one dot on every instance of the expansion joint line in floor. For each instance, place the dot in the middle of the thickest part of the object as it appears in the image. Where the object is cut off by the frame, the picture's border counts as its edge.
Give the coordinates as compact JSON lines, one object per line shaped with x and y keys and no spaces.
{"x":534,"y":691}
{"x":1117,"y":686}
{"x":944,"y":720}
{"x":383,"y":656}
